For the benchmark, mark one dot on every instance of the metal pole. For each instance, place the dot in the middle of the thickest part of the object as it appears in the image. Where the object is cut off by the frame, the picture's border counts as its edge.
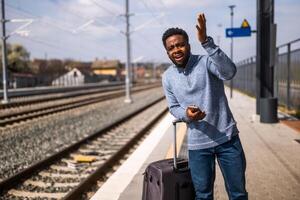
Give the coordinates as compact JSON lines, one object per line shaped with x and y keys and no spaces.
{"x":276,"y":74}
{"x":258,"y":55}
{"x":154,"y":71}
{"x":218,"y":36}
{"x":132,"y":74}
{"x":4,"y":58}
{"x":231,"y":46}
{"x":288,"y":95}
{"x":266,"y":48}
{"x":175,"y":148}
{"x":127,"y":80}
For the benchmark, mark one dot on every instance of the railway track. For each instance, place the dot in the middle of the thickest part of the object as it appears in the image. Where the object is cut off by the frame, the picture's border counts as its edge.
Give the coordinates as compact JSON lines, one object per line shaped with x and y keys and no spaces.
{"x":51,"y":94}
{"x":34,"y":99}
{"x":14,"y":116}
{"x":60,"y":177}
{"x":35,"y":91}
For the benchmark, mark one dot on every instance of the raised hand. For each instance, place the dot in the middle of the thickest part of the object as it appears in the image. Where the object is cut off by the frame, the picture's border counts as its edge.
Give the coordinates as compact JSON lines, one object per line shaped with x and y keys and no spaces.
{"x":201,"y":27}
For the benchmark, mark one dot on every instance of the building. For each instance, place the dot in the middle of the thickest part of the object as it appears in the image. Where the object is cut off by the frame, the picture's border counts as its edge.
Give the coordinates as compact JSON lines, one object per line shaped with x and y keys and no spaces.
{"x":21,"y":80}
{"x":112,"y":69}
{"x":77,"y":77}
{"x":47,"y":70}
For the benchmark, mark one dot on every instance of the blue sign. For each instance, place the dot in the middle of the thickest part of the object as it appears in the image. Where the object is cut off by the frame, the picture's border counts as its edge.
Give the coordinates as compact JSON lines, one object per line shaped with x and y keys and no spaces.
{"x":238,"y":32}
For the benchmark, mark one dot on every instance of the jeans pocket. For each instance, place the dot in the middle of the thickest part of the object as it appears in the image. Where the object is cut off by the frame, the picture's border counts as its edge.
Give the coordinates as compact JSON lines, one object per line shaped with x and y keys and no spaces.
{"x":236,"y":143}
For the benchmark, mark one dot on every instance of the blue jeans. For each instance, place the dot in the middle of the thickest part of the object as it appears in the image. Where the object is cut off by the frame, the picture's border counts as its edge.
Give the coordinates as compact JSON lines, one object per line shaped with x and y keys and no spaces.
{"x":232,"y":162}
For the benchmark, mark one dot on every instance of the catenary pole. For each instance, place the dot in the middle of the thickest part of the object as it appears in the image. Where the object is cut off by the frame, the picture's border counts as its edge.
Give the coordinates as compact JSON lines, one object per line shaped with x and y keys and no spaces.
{"x":4,"y":56}
{"x":128,"y":67}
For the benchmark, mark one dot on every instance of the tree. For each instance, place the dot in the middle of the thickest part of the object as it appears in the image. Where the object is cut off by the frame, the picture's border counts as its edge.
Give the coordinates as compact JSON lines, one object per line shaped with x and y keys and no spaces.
{"x":55,"y":67}
{"x":18,"y":58}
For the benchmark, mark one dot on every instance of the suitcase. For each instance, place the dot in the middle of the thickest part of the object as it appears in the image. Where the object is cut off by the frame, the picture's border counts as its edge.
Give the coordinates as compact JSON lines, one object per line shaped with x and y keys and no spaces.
{"x":168,"y":179}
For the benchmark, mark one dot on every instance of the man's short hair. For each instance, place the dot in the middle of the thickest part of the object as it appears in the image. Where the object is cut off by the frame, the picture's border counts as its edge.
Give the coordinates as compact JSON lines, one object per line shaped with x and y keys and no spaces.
{"x":174,"y":31}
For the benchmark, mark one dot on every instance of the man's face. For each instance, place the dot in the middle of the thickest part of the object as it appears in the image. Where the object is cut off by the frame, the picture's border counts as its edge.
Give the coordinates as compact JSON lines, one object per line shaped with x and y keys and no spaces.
{"x":178,"y":50}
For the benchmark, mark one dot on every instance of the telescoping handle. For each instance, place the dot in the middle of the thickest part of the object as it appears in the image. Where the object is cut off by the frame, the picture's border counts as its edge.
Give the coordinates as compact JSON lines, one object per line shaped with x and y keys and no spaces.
{"x":175,"y":142}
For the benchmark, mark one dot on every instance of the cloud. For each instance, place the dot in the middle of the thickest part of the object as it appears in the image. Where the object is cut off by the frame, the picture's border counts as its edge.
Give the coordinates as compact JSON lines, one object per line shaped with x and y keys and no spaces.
{"x":287,"y":26}
{"x":189,"y":3}
{"x":95,"y":8}
{"x":183,"y":4}
{"x":56,"y":19}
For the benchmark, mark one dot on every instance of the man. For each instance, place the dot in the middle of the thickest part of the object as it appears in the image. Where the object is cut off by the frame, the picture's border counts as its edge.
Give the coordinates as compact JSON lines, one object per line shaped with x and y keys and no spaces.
{"x":195,"y":93}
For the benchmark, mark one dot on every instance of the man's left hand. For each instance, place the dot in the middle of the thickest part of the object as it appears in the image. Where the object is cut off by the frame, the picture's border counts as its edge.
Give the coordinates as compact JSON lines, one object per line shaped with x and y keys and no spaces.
{"x":195,"y":113}
{"x":201,"y":27}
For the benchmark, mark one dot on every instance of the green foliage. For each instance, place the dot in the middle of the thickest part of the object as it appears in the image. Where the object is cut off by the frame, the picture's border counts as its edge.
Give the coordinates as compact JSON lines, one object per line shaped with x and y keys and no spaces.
{"x":18,"y":58}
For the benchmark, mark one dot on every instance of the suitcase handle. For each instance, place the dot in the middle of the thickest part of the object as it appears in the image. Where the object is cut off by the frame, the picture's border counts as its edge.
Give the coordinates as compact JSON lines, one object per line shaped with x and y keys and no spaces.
{"x":175,"y":143}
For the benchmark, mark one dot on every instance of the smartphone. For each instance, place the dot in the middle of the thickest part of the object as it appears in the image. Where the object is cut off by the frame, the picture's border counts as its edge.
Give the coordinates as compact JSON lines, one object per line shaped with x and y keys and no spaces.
{"x":194,"y":108}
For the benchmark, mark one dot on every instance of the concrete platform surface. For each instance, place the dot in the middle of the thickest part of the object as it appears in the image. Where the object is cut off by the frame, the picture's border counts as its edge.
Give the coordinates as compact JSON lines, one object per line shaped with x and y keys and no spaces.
{"x":129,"y":176}
{"x":272,"y":154}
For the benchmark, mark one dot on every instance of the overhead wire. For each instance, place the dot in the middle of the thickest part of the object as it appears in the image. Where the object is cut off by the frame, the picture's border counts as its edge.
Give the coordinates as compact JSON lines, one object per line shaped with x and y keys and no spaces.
{"x":139,"y":33}
{"x":47,"y":22}
{"x":143,"y":36}
{"x":162,"y":22}
{"x":105,"y":9}
{"x":98,"y":21}
{"x":38,"y":17}
{"x":25,"y":13}
{"x":72,"y":12}
{"x":35,"y":40}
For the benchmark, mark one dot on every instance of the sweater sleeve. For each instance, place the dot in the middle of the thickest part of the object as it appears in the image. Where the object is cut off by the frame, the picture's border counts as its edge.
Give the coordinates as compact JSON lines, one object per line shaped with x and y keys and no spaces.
{"x":218,"y":62}
{"x":174,"y":107}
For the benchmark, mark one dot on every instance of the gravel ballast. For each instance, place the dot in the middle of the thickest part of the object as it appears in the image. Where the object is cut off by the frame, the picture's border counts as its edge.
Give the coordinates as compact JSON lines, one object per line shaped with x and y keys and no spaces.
{"x":26,"y":143}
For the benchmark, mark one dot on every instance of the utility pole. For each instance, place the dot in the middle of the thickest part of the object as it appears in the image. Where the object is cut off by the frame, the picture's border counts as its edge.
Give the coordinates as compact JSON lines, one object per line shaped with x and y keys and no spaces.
{"x":231,"y":46}
{"x":4,"y":57}
{"x":128,"y":67}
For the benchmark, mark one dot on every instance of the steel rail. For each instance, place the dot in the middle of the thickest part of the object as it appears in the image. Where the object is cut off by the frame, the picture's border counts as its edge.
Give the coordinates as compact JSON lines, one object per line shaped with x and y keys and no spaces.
{"x":11,"y":118}
{"x":60,"y":95}
{"x":52,"y":89}
{"x":12,"y":181}
{"x":100,"y":171}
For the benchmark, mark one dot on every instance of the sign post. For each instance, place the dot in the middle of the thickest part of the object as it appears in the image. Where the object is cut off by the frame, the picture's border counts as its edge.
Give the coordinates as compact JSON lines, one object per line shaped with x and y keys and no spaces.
{"x":243,"y":31}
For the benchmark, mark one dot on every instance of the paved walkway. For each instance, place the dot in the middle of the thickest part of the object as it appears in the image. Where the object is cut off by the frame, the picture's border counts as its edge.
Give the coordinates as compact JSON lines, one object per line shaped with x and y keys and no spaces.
{"x":272,"y":153}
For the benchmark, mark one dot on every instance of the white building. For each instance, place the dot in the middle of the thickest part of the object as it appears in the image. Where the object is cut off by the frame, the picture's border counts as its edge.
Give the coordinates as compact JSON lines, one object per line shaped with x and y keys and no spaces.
{"x":71,"y":78}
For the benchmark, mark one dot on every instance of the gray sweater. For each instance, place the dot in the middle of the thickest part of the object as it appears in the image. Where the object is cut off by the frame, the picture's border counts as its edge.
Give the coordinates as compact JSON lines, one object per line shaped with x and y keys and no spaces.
{"x":200,"y":83}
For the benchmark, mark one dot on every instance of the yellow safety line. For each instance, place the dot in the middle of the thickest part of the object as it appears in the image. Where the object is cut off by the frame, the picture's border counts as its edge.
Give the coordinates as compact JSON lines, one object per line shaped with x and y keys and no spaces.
{"x":180,"y":137}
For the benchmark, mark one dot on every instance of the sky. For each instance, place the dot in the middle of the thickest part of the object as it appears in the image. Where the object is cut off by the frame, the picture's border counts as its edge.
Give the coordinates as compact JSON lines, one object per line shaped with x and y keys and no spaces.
{"x":84,"y":30}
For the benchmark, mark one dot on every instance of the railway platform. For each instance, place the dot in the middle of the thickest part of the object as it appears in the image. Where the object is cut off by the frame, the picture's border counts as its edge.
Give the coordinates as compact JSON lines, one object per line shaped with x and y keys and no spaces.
{"x":272,"y":153}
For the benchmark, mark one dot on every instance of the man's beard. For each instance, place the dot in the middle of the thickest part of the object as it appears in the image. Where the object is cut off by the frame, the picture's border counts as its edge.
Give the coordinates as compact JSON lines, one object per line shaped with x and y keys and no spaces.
{"x":184,"y":62}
